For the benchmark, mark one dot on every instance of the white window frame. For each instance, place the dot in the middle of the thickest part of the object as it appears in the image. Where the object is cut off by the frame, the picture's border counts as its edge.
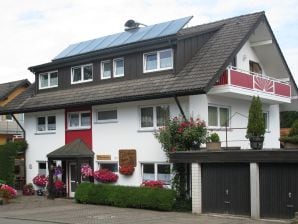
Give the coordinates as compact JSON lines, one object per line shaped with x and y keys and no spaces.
{"x":158,"y":61}
{"x":49,"y":79}
{"x":114,"y":67}
{"x":156,"y":169}
{"x":267,"y":115}
{"x":218,"y":115}
{"x":82,"y":74}
{"x":102,"y":69}
{"x":154,"y":116}
{"x":108,"y":120}
{"x":108,"y":162}
{"x":80,"y":127}
{"x":46,"y":123}
{"x":46,"y":169}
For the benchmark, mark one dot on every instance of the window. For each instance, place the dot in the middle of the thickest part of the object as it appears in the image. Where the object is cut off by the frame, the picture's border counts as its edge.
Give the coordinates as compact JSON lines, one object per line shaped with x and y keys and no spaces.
{"x":156,"y":116}
{"x":255,"y":67}
{"x":81,"y":74}
{"x":48,"y":80}
{"x":266,"y":120}
{"x":8,"y":117}
{"x":107,"y":115}
{"x":42,"y":168}
{"x":46,"y":123}
{"x":118,"y":67}
{"x":79,"y":120}
{"x":112,"y":166}
{"x":106,"y":71}
{"x":156,"y":171}
{"x":158,"y":60}
{"x":218,"y":116}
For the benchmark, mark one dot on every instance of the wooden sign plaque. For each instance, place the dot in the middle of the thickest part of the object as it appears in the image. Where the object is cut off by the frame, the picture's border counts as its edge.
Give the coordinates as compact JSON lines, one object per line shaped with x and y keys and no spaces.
{"x":127,"y":157}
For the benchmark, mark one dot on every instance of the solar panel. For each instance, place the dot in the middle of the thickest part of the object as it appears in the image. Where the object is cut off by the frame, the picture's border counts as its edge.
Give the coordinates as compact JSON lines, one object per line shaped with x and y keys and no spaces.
{"x":144,"y":33}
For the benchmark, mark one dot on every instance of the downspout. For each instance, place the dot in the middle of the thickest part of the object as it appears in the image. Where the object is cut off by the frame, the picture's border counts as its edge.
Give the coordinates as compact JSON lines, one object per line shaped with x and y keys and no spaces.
{"x":24,"y":135}
{"x":180,"y":108}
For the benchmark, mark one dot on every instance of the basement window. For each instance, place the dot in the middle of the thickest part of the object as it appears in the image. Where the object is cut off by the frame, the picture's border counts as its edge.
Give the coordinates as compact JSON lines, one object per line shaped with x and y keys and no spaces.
{"x":157,"y":171}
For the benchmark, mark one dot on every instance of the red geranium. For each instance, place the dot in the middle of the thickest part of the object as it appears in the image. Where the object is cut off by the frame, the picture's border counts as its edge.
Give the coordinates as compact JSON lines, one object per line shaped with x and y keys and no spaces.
{"x":105,"y":176}
{"x":126,"y":169}
{"x":59,"y":184}
{"x":7,"y":191}
{"x":153,"y":184}
{"x":40,"y":180}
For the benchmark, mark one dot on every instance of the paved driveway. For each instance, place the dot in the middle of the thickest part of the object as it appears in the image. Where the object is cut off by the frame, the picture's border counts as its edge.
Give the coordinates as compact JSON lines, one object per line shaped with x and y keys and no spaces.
{"x":36,"y":210}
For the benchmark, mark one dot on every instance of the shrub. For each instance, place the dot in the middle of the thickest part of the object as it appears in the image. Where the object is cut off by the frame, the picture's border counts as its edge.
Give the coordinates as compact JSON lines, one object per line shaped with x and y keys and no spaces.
{"x":294,"y":129}
{"x":287,"y":118}
{"x":214,"y":137}
{"x":2,"y":182}
{"x":105,"y":176}
{"x":256,"y":125}
{"x":124,"y":196}
{"x":180,"y":135}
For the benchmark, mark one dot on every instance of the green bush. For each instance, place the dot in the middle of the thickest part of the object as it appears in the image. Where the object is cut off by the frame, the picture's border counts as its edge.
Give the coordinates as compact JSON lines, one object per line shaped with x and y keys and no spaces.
{"x":294,"y":129}
{"x":287,"y":118}
{"x":8,"y":153}
{"x":290,"y":139}
{"x":124,"y":196}
{"x":2,"y":182}
{"x":256,"y":124}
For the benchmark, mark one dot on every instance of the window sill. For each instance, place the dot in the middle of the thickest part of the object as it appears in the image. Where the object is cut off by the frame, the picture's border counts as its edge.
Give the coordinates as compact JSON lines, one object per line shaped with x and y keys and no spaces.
{"x":48,"y":87}
{"x":81,"y":82}
{"x":106,"y":122}
{"x":157,"y":70}
{"x":78,"y":129}
{"x":45,"y":133}
{"x":147,"y":129}
{"x":219,"y":129}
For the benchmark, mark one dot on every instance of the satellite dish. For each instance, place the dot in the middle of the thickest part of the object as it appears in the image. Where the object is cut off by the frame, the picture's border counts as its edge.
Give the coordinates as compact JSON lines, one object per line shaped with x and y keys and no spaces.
{"x":132,"y":24}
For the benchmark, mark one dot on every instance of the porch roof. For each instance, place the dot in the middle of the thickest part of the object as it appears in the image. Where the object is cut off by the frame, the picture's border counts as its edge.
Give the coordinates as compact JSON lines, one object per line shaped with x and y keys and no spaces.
{"x":75,"y":149}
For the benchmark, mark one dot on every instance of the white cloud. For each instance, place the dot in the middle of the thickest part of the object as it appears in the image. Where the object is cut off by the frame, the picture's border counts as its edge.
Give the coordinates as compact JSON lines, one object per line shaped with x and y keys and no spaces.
{"x":34,"y":31}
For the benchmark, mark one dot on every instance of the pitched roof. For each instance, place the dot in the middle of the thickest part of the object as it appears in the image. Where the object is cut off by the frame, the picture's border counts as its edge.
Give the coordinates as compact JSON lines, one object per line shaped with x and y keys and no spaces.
{"x":9,"y":87}
{"x":75,"y":149}
{"x":196,"y":77}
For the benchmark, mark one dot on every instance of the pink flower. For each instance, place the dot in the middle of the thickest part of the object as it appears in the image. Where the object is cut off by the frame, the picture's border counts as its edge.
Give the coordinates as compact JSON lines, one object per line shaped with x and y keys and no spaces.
{"x":40,"y":180}
{"x":7,"y":191}
{"x":86,"y":170}
{"x":152,"y":184}
{"x":105,"y":176}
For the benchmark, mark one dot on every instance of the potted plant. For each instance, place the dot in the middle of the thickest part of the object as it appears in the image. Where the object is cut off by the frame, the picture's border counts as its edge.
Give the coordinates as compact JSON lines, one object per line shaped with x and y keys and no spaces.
{"x":291,"y":141}
{"x":7,"y":193}
{"x":256,"y":125}
{"x":28,"y":189}
{"x":213,"y":142}
{"x":40,"y":181}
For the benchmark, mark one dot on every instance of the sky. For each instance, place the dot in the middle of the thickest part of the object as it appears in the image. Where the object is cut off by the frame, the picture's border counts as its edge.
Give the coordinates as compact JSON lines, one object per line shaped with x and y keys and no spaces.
{"x":34,"y":31}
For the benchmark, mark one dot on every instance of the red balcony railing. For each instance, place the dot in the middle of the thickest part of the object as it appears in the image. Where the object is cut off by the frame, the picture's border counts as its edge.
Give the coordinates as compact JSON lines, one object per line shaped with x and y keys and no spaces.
{"x":248,"y":80}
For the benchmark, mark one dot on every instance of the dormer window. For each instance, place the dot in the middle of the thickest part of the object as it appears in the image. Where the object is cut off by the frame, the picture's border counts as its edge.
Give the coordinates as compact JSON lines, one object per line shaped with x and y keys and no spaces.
{"x":118,"y":67}
{"x":80,"y":74}
{"x":48,"y":80}
{"x":117,"y":70}
{"x":158,"y":60}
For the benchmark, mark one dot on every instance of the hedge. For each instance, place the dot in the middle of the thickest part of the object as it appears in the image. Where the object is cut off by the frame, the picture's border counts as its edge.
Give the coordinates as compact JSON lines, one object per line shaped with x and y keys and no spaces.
{"x":125,"y":196}
{"x":8,"y":153}
{"x":287,"y":118}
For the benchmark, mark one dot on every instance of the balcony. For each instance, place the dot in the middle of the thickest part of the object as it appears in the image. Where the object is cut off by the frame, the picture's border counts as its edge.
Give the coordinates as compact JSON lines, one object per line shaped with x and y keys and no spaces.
{"x":242,"y":84}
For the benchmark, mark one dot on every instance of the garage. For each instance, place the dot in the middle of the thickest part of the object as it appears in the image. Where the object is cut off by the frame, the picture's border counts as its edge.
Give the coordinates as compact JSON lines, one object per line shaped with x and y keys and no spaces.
{"x":226,"y":188}
{"x":278,"y":190}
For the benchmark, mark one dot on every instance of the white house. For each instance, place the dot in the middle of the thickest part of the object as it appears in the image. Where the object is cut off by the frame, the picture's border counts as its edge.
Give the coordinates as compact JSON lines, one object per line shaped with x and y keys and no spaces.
{"x":115,"y":91}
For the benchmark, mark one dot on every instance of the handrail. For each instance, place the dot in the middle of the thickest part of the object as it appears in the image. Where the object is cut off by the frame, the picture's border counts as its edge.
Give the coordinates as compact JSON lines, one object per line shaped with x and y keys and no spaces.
{"x":256,"y":74}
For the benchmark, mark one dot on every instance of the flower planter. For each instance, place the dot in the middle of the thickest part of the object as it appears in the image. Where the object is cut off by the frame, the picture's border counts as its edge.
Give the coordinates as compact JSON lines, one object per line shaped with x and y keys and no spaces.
{"x":213,"y":146}
{"x":256,"y":143}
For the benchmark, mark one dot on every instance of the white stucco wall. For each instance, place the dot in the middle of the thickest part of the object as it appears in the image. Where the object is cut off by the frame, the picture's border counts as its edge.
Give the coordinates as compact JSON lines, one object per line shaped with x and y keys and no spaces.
{"x":239,"y":112}
{"x":39,"y":145}
{"x":108,"y":138}
{"x":245,"y":55}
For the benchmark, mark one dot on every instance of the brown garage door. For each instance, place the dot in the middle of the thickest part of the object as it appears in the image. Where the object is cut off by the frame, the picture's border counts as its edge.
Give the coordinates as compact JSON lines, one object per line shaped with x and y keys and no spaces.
{"x":278,"y":190}
{"x":226,"y":188}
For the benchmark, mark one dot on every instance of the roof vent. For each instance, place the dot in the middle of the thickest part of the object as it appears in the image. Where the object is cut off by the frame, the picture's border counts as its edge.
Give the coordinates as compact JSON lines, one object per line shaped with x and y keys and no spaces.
{"x":131,"y":25}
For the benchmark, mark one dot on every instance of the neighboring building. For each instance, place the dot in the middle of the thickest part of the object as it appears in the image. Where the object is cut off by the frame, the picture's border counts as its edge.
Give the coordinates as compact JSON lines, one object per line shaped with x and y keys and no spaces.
{"x":8,"y":127}
{"x":113,"y":92}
